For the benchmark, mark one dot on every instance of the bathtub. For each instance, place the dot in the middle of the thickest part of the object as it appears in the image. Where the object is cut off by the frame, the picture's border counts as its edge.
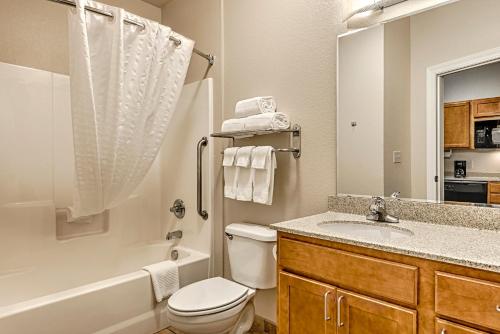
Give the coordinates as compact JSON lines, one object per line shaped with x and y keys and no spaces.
{"x":121,"y":304}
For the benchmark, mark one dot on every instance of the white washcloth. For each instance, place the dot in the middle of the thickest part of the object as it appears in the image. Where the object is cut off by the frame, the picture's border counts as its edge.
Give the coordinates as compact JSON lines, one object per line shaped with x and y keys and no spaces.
{"x":244,"y":174}
{"x":230,"y":172}
{"x":165,"y":278}
{"x":263,"y":168}
{"x":254,"y":106}
{"x":269,"y":121}
{"x":233,"y":124}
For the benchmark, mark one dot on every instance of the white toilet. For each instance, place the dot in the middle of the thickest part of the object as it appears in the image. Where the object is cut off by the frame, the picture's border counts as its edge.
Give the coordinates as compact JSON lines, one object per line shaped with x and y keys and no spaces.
{"x":219,"y":306}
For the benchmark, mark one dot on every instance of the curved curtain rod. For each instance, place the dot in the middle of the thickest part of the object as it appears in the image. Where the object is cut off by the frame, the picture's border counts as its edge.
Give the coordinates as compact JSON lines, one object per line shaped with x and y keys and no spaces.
{"x":209,"y":57}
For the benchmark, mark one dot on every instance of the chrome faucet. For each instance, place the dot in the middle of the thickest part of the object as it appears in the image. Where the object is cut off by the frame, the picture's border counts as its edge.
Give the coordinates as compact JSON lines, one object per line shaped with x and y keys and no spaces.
{"x":174,"y":235}
{"x":378,"y":212}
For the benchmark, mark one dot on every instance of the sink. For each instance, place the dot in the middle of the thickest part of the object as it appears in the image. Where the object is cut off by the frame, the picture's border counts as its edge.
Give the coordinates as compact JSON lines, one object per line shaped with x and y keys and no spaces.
{"x":366,"y":230}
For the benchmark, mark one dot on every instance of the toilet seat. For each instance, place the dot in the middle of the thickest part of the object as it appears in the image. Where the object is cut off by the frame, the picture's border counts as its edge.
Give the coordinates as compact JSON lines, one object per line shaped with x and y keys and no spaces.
{"x":210,"y":296}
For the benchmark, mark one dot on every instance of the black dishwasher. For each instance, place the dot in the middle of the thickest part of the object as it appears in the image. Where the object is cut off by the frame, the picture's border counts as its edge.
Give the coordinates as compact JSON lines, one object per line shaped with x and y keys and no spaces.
{"x":466,"y":191}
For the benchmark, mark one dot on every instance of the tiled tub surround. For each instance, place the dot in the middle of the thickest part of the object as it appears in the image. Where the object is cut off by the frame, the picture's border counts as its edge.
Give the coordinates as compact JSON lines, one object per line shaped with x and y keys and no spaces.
{"x":459,"y":245}
{"x":426,"y":212}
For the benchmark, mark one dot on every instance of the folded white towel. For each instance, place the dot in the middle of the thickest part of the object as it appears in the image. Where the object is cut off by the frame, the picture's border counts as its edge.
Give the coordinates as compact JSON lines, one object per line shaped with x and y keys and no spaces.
{"x":268,"y":121}
{"x":254,"y":106}
{"x":230,"y":172}
{"x":164,"y":277}
{"x":263,"y":169}
{"x":244,"y":174}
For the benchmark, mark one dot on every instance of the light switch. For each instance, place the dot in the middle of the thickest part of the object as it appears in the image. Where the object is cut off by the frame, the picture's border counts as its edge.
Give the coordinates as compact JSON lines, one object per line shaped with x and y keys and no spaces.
{"x":396,"y":157}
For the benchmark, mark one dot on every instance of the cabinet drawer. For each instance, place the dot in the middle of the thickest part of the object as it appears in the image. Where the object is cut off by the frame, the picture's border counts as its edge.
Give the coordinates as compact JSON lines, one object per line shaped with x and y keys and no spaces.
{"x":494,"y":187}
{"x":446,"y":327}
{"x":467,"y":299}
{"x":382,"y":278}
{"x":494,"y":198}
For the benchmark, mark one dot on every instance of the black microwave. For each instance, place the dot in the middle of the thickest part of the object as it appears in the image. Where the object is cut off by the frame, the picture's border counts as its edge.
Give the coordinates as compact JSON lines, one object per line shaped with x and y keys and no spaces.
{"x":483,"y":134}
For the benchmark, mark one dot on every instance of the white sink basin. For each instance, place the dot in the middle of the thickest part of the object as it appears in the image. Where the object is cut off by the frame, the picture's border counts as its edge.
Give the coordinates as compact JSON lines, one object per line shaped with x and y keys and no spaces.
{"x":366,"y":230}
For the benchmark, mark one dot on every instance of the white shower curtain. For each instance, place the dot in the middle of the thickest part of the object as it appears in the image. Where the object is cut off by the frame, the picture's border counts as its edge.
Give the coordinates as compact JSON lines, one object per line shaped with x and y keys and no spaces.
{"x":125,"y":83}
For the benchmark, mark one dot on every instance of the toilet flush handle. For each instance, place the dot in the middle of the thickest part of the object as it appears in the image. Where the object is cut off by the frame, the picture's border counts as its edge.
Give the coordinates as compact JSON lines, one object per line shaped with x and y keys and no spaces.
{"x":229,"y":236}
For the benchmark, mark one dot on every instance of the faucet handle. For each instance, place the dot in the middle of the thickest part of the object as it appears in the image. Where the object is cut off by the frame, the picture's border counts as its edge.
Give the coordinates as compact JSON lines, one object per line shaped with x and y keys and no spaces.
{"x":377,"y":204}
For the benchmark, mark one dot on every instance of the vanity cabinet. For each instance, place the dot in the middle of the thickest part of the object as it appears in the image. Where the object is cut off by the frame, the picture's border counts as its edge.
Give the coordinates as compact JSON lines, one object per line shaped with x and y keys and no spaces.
{"x":458,"y":125}
{"x":331,"y":287}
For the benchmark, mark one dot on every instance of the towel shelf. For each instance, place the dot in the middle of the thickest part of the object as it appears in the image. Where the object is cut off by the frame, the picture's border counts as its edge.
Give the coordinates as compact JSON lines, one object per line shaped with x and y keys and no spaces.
{"x":295,"y":139}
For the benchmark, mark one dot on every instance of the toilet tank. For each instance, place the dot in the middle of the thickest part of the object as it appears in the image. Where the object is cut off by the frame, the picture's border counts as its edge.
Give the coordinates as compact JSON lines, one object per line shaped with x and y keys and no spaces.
{"x":251,"y":250}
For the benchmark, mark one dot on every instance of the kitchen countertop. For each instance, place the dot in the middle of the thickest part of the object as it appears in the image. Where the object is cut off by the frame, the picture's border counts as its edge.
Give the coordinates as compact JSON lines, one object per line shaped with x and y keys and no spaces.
{"x":463,"y":246}
{"x":473,"y":178}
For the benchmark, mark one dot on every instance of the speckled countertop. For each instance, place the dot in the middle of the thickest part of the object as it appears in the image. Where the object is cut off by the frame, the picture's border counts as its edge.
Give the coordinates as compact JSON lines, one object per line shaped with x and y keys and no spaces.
{"x":464,"y":246}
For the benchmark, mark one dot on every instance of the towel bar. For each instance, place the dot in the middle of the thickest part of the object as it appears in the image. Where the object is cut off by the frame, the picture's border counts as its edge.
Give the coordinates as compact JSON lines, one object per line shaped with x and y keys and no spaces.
{"x":295,"y":131}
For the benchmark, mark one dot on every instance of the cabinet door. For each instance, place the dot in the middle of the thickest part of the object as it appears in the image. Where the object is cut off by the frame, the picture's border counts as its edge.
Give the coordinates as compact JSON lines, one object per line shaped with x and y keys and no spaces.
{"x":486,"y":107}
{"x":358,"y":314}
{"x":305,"y":306}
{"x":457,"y":125}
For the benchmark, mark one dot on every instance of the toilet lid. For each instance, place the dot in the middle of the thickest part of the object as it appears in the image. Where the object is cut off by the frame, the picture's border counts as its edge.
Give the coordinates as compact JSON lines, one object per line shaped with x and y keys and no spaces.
{"x":208,"y":296}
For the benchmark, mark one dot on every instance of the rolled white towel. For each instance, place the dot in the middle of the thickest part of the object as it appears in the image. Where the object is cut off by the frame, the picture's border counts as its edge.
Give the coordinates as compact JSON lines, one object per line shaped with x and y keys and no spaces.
{"x":269,"y":121}
{"x":254,"y":106}
{"x":233,"y":124}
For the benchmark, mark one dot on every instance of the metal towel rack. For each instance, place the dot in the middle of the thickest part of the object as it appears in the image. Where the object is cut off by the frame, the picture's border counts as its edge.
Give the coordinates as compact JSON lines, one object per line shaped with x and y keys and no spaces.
{"x":295,"y":140}
{"x":199,"y":168}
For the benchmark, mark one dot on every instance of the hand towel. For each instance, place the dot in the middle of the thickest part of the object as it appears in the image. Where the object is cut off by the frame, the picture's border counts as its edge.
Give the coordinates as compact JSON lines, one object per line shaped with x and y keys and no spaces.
{"x":254,"y":106}
{"x":233,"y":124}
{"x":244,"y":176}
{"x":263,"y":169}
{"x":164,"y":277}
{"x":230,"y":172}
{"x":269,"y":121}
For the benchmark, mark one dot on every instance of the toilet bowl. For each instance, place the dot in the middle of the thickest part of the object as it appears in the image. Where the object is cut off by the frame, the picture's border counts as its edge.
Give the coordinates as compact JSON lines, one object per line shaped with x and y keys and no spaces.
{"x":218,"y":305}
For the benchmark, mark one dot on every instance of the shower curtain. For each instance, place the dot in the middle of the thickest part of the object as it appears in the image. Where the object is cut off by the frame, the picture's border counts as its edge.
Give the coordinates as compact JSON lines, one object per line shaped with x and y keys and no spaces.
{"x":125,"y":83}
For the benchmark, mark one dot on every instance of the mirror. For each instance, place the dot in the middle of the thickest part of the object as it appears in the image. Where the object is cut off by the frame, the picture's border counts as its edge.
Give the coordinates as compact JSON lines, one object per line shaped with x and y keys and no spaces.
{"x":419,"y":106}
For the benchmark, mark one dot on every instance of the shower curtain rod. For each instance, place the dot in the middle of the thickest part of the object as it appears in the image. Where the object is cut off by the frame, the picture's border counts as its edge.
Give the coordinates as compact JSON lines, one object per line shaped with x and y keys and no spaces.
{"x":207,"y":56}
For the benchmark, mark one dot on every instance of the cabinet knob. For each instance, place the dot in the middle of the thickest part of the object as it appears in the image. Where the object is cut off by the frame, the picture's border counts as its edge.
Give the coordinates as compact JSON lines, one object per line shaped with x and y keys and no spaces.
{"x":443,"y":331}
{"x":498,"y":308}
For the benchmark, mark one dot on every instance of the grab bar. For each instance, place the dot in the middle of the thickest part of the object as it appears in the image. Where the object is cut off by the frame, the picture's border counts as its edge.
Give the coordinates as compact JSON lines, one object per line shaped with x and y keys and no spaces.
{"x":199,"y":166}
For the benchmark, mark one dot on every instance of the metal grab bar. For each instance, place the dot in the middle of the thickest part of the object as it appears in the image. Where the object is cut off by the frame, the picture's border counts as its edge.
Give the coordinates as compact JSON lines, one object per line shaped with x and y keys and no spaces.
{"x":199,"y":168}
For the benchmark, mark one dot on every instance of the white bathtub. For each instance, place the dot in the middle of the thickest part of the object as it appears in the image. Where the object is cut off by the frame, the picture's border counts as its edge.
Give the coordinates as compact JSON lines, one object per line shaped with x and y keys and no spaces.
{"x":121,"y":304}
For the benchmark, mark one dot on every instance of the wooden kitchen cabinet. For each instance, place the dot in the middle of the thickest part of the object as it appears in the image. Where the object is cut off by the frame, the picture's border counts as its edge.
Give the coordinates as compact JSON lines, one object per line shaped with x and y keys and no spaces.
{"x":446,"y":327}
{"x":486,"y":107}
{"x":494,"y":193}
{"x":458,"y":125}
{"x":305,"y":306}
{"x":358,"y":314}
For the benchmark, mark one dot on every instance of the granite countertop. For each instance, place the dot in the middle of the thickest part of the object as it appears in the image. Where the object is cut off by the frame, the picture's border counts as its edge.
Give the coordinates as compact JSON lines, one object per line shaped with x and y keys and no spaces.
{"x":463,"y":246}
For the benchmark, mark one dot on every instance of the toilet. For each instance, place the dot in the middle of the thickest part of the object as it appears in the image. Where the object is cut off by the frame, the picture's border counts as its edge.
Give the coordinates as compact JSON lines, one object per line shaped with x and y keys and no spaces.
{"x":218,"y":305}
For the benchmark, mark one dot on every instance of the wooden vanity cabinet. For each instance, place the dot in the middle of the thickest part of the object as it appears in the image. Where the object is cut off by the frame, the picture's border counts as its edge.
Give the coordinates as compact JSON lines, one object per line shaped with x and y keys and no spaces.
{"x":331,"y":287}
{"x":458,"y":126}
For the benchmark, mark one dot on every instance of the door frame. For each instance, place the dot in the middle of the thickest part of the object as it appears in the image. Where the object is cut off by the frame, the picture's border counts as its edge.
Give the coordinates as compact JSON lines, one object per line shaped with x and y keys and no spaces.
{"x":435,"y":114}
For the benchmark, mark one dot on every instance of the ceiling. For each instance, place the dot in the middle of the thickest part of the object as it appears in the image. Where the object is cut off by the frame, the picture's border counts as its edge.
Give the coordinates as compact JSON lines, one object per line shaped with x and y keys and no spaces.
{"x":158,"y":3}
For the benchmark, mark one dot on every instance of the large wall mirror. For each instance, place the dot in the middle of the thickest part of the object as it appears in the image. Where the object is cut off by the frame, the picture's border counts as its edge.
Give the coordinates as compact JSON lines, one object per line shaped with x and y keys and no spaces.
{"x":419,"y":105}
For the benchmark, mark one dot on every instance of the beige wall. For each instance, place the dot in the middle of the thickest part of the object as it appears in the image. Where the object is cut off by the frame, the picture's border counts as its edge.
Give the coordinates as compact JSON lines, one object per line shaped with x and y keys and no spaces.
{"x":35,"y":33}
{"x":288,"y":51}
{"x":361,"y":100}
{"x":397,"y":176}
{"x":437,"y":36}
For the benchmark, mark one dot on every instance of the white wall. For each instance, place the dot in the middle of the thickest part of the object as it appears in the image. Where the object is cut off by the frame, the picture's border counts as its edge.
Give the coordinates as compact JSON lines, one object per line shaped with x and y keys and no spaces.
{"x":443,"y":34}
{"x":475,"y":83}
{"x":361,"y":99}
